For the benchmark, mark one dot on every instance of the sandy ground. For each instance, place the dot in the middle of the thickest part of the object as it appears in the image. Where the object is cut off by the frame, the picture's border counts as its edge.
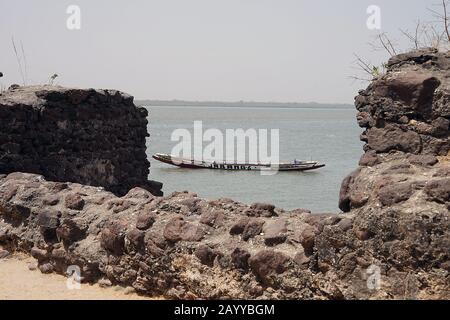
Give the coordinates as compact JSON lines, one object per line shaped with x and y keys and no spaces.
{"x":18,"y":282}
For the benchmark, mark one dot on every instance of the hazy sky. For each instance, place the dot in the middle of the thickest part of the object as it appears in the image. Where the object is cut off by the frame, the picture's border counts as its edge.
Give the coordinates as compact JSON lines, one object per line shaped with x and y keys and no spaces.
{"x":277,"y":50}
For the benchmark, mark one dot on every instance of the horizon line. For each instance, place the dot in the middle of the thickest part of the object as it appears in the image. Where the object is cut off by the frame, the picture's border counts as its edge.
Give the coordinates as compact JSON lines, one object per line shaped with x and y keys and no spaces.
{"x":242,"y":102}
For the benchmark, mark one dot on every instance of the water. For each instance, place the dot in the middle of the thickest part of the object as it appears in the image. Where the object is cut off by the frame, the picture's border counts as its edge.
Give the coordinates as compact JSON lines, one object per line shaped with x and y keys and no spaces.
{"x":328,"y":135}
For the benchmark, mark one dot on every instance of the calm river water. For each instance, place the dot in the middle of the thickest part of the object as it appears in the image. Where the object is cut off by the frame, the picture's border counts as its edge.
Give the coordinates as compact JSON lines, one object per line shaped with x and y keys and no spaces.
{"x":329,"y":135}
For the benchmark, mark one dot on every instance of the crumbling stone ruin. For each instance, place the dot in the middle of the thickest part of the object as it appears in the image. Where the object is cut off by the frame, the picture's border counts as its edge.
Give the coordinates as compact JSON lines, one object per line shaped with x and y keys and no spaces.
{"x":391,"y":241}
{"x":93,"y":137}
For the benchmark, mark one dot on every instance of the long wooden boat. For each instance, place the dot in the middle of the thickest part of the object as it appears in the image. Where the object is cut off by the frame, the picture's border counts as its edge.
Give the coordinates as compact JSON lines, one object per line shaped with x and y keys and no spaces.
{"x":296,"y":165}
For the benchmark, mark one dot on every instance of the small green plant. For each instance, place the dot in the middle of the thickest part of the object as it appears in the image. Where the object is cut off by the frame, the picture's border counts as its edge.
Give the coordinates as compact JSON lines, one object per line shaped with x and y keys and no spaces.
{"x":369,"y":69}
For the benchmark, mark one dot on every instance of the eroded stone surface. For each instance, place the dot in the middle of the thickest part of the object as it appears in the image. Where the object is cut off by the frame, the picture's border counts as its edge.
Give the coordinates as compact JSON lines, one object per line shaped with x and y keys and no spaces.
{"x":94,"y":137}
{"x":293,"y":255}
{"x":395,"y":220}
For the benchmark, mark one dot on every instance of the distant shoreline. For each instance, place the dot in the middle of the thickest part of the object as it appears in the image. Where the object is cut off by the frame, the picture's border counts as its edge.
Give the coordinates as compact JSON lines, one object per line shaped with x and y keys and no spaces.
{"x":239,"y":104}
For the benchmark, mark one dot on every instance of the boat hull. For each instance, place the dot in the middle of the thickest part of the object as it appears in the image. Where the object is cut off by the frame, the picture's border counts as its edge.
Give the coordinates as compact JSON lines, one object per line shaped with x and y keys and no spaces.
{"x":190,"y":164}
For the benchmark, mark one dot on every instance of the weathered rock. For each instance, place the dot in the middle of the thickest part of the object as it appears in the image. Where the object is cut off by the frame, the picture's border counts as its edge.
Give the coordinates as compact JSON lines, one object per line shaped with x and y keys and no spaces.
{"x":261,"y":210}
{"x":70,"y":231}
{"x":275,"y":232}
{"x":213,"y":218}
{"x":422,"y":160}
{"x":392,"y":137}
{"x":247,"y":227}
{"x":344,"y":194}
{"x":59,"y":253}
{"x":398,"y":168}
{"x":173,"y":229}
{"x":14,"y":212}
{"x":206,"y":255}
{"x":364,"y":119}
{"x":301,"y":259}
{"x":414,"y":89}
{"x":268,"y":262}
{"x":50,"y":201}
{"x":307,"y":237}
{"x":184,"y":247}
{"x":112,"y":237}
{"x":177,"y":229}
{"x":439,"y":190}
{"x":394,"y":193}
{"x":239,"y":226}
{"x":369,"y":159}
{"x":145,"y":220}
{"x":363,"y":234}
{"x":319,"y":220}
{"x":136,"y":238}
{"x":39,"y":254}
{"x":252,"y":229}
{"x":129,"y":251}
{"x":240,"y":258}
{"x":345,"y":224}
{"x":192,"y":232}
{"x":94,"y":137}
{"x":74,"y":202}
{"x":48,"y":221}
{"x":46,"y":268}
{"x":402,"y":175}
{"x":440,"y":127}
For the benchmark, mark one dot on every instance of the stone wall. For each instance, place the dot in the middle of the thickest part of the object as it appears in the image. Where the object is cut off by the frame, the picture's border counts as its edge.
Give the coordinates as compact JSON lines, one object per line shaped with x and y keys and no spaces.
{"x":93,"y":137}
{"x":408,"y":109}
{"x":406,"y":116}
{"x":391,"y":242}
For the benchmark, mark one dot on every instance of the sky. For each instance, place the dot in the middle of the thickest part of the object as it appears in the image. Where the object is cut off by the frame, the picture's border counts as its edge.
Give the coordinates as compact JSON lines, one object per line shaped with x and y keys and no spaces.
{"x":227,"y":50}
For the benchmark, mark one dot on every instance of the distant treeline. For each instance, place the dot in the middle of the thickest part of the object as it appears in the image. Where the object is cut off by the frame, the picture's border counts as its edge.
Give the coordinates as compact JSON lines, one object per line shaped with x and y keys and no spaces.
{"x":183,"y":103}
